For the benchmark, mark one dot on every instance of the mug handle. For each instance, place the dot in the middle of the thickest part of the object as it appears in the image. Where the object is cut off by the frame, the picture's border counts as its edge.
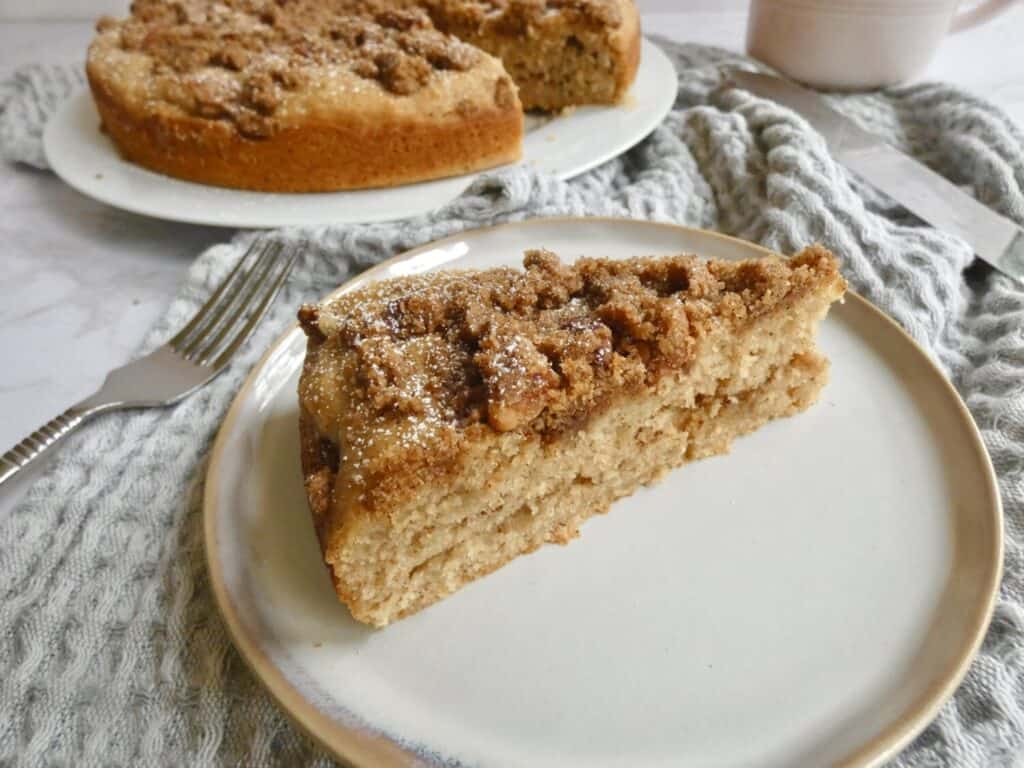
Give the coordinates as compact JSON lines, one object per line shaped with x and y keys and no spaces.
{"x":979,"y":14}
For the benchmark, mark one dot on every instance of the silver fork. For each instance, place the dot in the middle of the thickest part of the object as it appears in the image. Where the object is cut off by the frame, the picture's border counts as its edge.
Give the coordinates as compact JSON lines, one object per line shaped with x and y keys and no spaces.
{"x":195,"y":355}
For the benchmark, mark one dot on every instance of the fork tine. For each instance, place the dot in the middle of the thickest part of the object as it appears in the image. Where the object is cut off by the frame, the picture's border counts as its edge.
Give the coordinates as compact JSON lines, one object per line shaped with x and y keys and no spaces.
{"x":232,"y":312}
{"x":246,"y":330}
{"x":232,"y":304}
{"x":200,"y":317}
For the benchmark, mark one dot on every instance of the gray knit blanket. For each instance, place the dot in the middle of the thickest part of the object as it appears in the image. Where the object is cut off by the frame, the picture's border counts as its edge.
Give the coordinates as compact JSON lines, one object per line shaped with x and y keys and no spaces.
{"x":111,"y":649}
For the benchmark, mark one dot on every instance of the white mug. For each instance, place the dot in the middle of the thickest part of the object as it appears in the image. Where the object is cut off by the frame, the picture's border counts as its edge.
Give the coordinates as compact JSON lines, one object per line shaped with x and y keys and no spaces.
{"x":852,"y":44}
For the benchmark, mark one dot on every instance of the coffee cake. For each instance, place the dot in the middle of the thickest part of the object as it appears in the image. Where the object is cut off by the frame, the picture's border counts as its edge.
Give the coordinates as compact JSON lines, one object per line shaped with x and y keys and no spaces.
{"x":321,"y":95}
{"x":453,"y":421}
{"x":299,"y":97}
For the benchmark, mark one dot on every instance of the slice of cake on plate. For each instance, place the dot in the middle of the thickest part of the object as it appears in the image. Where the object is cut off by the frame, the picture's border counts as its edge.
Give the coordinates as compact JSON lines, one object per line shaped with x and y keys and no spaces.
{"x":455,"y":420}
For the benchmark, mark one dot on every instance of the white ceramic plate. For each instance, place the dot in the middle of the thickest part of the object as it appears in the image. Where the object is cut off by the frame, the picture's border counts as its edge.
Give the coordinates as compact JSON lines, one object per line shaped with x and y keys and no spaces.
{"x":564,"y":146}
{"x":809,"y":599}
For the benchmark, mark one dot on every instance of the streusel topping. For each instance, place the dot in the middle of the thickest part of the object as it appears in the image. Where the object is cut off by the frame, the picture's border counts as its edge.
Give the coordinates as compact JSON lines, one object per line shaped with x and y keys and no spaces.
{"x":238,"y":59}
{"x":517,"y":16}
{"x":415,"y":364}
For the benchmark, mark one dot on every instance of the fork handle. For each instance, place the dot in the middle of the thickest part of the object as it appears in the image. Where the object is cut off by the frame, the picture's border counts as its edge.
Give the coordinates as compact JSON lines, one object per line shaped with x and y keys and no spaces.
{"x":40,"y":441}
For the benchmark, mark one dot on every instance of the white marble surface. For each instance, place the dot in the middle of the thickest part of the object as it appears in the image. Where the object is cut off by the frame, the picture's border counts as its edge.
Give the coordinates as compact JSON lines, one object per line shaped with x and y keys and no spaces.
{"x":80,"y":282}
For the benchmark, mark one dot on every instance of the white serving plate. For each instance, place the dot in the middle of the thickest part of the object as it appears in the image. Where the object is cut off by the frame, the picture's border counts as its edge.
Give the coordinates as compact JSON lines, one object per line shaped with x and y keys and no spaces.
{"x":564,"y":146}
{"x":811,"y":598}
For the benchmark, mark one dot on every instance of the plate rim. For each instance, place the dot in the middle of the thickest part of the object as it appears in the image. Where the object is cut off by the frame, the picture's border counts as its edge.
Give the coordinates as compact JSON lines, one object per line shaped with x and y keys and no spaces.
{"x":649,"y":48}
{"x":354,"y":745}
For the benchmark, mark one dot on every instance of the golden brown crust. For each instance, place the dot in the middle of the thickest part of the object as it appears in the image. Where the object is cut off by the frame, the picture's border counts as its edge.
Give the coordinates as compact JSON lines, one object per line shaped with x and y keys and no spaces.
{"x":403,"y":373}
{"x":315,"y":157}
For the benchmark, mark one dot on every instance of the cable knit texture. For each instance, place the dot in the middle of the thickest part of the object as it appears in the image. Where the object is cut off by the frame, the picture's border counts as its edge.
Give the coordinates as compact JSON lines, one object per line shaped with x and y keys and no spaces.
{"x":111,"y":649}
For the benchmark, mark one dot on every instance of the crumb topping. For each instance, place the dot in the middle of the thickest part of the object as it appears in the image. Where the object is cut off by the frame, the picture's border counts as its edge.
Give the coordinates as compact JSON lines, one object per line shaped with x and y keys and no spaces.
{"x":403,"y":369}
{"x":237,"y":59}
{"x":513,"y":17}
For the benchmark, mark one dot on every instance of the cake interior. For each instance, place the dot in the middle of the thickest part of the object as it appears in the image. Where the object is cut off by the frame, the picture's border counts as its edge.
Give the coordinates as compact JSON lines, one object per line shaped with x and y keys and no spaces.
{"x":514,"y":492}
{"x":561,"y":66}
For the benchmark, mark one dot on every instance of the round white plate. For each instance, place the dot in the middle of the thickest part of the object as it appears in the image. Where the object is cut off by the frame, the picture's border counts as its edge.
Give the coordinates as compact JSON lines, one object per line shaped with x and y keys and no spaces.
{"x":565,"y":146}
{"x":809,"y":599}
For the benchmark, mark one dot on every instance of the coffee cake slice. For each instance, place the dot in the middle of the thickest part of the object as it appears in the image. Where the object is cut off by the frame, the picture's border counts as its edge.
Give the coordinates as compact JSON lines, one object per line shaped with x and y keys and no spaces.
{"x":453,"y":421}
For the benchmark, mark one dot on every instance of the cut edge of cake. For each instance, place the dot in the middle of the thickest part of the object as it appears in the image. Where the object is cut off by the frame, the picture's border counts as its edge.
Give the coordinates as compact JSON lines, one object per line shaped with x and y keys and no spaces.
{"x":593,"y":59}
